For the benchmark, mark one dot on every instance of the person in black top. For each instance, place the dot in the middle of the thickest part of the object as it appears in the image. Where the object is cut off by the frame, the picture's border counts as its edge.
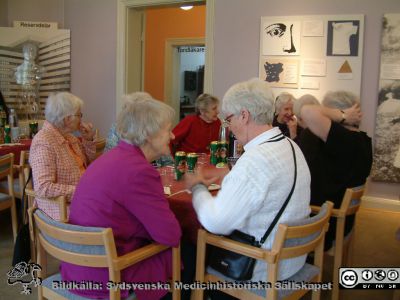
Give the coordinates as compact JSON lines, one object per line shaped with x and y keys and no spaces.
{"x":284,"y":118}
{"x":338,"y":154}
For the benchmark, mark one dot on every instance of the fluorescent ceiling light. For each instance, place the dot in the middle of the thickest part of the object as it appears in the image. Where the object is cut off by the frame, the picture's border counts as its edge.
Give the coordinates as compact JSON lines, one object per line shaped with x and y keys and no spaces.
{"x":187,"y":7}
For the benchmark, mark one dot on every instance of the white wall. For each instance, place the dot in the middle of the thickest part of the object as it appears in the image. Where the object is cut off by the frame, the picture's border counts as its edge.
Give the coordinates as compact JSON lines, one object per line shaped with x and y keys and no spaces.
{"x":236,"y":44}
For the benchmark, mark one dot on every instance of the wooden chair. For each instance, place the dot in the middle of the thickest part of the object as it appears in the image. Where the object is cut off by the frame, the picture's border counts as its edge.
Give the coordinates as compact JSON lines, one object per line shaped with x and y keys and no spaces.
{"x":291,"y":240}
{"x":100,"y":145}
{"x":87,"y":246}
{"x":63,"y":205}
{"x":342,"y":246}
{"x":24,"y":169}
{"x":7,"y":198}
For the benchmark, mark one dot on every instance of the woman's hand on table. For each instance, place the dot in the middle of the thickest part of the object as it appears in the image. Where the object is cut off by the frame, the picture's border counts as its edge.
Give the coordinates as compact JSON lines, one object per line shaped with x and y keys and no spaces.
{"x":191,"y":179}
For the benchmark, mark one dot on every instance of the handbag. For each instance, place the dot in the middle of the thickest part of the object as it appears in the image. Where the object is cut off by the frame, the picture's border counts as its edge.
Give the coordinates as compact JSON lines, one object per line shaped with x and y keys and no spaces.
{"x":238,"y":266}
{"x":22,"y":246}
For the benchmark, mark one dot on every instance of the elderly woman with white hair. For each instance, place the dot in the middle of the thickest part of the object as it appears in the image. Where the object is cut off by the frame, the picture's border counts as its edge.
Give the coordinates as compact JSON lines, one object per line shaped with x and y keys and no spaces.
{"x":195,"y":132}
{"x":255,"y":189}
{"x":284,"y":118}
{"x":123,"y":191}
{"x":338,"y":153}
{"x":58,"y":158}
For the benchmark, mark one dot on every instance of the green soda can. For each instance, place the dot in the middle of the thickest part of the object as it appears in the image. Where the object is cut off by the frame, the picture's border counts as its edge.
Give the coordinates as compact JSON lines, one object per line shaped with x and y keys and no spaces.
{"x":214,"y":152}
{"x":180,"y":164}
{"x":223,"y":151}
{"x":191,"y":160}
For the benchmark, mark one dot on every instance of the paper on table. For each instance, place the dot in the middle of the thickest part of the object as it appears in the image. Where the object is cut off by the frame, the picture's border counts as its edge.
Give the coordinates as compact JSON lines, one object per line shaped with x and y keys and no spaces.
{"x":167,"y":190}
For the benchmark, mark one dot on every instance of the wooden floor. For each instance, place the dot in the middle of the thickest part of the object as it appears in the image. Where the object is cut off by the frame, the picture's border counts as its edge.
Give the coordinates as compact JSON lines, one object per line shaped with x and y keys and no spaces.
{"x":375,"y":246}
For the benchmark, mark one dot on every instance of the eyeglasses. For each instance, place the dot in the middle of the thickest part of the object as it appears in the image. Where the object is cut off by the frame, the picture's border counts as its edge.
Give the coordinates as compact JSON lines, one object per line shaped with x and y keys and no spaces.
{"x":227,"y":120}
{"x":80,"y":115}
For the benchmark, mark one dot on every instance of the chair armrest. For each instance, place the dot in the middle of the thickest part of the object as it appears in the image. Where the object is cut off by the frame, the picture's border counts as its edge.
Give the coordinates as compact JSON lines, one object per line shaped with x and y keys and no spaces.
{"x":315,"y":208}
{"x":29,"y":192}
{"x":140,"y":254}
{"x":237,"y":247}
{"x":336,"y":213}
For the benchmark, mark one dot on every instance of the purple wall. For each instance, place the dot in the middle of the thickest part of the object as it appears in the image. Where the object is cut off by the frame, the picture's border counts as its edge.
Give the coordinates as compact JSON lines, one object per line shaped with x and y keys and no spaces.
{"x":93,"y":32}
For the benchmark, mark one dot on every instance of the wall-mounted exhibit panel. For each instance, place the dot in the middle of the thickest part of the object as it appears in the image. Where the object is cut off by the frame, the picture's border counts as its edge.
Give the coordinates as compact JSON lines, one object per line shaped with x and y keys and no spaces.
{"x":312,"y":54}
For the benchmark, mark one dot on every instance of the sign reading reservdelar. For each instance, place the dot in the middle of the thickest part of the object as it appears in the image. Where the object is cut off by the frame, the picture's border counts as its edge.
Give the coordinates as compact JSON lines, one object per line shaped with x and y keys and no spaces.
{"x":30,"y":24}
{"x":369,"y":278}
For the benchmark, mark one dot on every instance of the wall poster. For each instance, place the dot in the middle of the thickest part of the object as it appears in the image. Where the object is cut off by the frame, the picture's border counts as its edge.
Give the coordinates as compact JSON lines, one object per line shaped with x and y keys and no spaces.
{"x":386,"y":166}
{"x":312,"y":54}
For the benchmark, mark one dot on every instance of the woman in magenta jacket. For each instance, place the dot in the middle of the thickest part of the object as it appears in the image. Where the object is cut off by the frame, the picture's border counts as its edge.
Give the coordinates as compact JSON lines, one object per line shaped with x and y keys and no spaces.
{"x":123,"y":191}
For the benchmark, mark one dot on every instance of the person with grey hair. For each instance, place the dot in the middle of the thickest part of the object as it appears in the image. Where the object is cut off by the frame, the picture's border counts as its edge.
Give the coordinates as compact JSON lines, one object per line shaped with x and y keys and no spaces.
{"x":195,"y":132}
{"x":58,"y":158}
{"x":121,"y":190}
{"x":284,"y":118}
{"x":113,"y":137}
{"x":338,"y":153}
{"x":258,"y":184}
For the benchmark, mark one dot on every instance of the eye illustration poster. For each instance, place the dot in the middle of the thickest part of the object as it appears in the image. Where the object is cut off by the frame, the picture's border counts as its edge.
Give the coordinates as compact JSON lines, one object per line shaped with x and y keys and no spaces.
{"x":280,"y":37}
{"x":305,"y":54}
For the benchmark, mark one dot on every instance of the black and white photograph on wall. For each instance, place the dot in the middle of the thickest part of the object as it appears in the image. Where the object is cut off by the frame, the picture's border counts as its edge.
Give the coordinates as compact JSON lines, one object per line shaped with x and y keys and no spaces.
{"x":343,"y":38}
{"x":280,"y":37}
{"x":386,"y":166}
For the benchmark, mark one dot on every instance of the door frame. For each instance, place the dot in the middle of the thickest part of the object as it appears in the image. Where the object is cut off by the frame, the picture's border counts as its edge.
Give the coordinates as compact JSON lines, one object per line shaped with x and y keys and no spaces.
{"x":122,"y":16}
{"x":171,"y":70}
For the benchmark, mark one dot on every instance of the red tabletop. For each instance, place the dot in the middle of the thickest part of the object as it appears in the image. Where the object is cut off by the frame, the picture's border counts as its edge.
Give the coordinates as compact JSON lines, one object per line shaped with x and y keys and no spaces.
{"x":180,"y":202}
{"x":15,"y":148}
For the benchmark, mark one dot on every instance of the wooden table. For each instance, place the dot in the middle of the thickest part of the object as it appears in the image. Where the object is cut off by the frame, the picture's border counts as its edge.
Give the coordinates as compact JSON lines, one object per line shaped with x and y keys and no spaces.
{"x":16,"y":149}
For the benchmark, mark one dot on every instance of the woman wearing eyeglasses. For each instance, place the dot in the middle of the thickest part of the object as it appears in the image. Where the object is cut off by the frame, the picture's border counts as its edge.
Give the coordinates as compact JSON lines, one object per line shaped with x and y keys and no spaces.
{"x":57,"y":157}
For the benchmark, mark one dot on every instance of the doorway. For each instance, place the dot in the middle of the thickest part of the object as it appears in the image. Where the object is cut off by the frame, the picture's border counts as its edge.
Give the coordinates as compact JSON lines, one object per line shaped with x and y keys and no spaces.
{"x":128,"y":80}
{"x":173,"y":73}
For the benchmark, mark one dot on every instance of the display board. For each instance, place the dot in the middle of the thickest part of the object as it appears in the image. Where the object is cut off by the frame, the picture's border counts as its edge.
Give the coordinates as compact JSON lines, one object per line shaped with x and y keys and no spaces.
{"x":312,"y":54}
{"x":53,"y":59}
{"x":386,"y":166}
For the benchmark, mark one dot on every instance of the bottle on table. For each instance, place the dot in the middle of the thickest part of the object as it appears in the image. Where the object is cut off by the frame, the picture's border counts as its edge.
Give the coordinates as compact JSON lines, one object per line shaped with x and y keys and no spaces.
{"x":13,"y":122}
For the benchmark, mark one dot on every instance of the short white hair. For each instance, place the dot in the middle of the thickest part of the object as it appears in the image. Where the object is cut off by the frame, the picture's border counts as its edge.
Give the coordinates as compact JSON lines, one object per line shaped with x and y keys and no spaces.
{"x":283,"y":99}
{"x":61,"y":105}
{"x":340,"y":99}
{"x":141,"y":117}
{"x":253,"y":95}
{"x":306,"y":99}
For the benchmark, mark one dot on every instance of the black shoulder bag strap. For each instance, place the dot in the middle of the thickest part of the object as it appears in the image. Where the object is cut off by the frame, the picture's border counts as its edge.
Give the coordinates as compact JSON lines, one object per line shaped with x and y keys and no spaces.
{"x":267,"y":233}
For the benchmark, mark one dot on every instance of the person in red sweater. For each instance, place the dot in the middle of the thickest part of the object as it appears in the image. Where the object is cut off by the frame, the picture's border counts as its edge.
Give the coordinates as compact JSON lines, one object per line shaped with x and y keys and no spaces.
{"x":195,"y":132}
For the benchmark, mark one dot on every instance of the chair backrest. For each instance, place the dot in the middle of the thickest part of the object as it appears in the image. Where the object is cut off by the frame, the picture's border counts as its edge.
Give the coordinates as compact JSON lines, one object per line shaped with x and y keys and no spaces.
{"x":6,"y":167}
{"x":351,"y":201}
{"x":90,"y":247}
{"x":100,"y":145}
{"x":303,"y":235}
{"x":24,"y":170}
{"x":61,"y":201}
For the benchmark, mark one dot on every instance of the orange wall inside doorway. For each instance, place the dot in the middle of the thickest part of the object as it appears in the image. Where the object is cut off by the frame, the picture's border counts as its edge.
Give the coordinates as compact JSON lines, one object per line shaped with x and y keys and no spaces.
{"x":162,"y":24}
